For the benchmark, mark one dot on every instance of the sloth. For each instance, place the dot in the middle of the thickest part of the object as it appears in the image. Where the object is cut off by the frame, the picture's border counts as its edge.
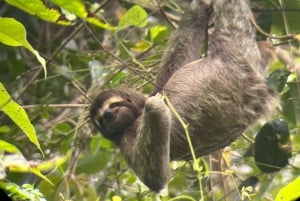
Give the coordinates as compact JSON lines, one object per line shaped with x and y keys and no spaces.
{"x":218,"y":96}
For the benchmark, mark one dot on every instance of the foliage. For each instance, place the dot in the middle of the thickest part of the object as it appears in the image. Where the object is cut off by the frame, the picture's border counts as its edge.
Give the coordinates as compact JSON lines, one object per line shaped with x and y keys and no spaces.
{"x":94,"y":45}
{"x":16,"y":36}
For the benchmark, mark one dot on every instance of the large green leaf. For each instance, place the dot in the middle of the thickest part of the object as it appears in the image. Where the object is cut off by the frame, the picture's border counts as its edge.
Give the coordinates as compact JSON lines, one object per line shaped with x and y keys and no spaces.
{"x":17,"y":114}
{"x":13,"y":33}
{"x":7,"y":147}
{"x":18,"y":163}
{"x":135,"y":16}
{"x":38,"y":8}
{"x":290,"y":192}
{"x":78,"y":8}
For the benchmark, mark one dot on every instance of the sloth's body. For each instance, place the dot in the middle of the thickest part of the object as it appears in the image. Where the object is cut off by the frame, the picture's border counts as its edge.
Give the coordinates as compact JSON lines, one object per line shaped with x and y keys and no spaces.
{"x":218,"y":96}
{"x":223,"y":94}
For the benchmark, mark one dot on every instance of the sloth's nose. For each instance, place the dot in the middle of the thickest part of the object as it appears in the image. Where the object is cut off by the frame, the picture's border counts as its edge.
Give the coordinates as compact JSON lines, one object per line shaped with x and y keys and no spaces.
{"x":107,"y":114}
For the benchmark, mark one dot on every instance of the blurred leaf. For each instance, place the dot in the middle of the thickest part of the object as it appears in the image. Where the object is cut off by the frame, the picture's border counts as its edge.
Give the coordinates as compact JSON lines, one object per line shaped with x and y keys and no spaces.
{"x":7,"y":147}
{"x":21,"y":193}
{"x":290,"y":102}
{"x":53,"y":163}
{"x":135,"y":16}
{"x":17,"y":163}
{"x":291,"y":192}
{"x":38,"y":8}
{"x":142,"y":46}
{"x":38,"y":173}
{"x":13,"y":33}
{"x":297,"y":37}
{"x":63,"y":128}
{"x":291,"y":18}
{"x":95,"y":144}
{"x":79,"y":9}
{"x":277,"y":79}
{"x":272,"y":146}
{"x":93,"y":163}
{"x":158,"y":33}
{"x":4,"y":129}
{"x":116,"y":198}
{"x":18,"y":115}
{"x":2,"y":170}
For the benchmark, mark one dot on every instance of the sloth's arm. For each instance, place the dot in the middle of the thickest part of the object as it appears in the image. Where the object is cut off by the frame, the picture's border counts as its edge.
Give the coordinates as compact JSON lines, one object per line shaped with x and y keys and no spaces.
{"x":150,"y":155}
{"x":184,"y":45}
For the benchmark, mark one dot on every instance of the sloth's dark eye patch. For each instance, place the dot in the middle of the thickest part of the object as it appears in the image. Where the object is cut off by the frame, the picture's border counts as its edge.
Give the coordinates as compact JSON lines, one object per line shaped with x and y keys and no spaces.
{"x":117,"y":104}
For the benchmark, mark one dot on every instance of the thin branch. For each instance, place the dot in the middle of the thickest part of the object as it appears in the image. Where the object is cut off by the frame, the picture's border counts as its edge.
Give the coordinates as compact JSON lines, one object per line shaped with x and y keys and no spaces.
{"x":56,"y":106}
{"x":259,"y":29}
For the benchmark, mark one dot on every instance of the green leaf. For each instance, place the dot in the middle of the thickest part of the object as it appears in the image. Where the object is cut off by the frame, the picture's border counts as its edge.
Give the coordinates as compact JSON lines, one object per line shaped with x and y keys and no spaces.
{"x":93,"y":163}
{"x":7,"y":147}
{"x":135,"y":16}
{"x":18,"y":163}
{"x":78,"y":8}
{"x":63,"y":128}
{"x":17,"y":114}
{"x":141,"y":46}
{"x":16,"y":192}
{"x":13,"y":33}
{"x":38,"y":8}
{"x":4,"y":129}
{"x":53,"y":163}
{"x":38,"y":173}
{"x":158,"y":33}
{"x":290,"y":101}
{"x":290,"y":192}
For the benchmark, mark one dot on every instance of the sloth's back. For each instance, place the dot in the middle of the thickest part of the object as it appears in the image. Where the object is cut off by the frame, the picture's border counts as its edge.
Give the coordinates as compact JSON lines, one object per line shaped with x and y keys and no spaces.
{"x":218,"y":100}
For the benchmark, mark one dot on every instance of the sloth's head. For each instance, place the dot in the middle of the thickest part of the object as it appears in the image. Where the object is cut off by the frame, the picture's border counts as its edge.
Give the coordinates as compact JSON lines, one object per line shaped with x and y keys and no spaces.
{"x":113,"y":111}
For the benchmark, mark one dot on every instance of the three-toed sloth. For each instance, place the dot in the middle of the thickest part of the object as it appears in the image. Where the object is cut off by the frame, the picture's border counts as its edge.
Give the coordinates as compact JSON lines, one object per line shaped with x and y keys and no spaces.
{"x":218,"y":96}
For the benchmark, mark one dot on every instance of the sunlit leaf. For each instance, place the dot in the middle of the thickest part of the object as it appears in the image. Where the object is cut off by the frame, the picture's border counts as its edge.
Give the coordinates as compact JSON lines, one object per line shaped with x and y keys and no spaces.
{"x":13,"y":33}
{"x":38,"y":8}
{"x":158,"y":33}
{"x":7,"y":147}
{"x":78,"y":8}
{"x":38,"y":173}
{"x":141,"y":46}
{"x":116,"y":198}
{"x":17,"y":191}
{"x":135,"y":16}
{"x":53,"y":163}
{"x":17,"y":163}
{"x":18,"y":115}
{"x":4,"y":129}
{"x":290,"y":192}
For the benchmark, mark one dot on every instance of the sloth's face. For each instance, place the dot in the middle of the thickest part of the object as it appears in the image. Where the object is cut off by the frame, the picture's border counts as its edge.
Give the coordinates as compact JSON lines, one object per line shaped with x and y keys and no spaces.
{"x":115,"y":115}
{"x":112,"y":113}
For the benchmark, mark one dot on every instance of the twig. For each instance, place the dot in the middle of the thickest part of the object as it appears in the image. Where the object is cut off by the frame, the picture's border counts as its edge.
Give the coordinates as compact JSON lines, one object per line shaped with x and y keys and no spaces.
{"x":186,"y":131}
{"x":56,"y":106}
{"x":287,"y":36}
